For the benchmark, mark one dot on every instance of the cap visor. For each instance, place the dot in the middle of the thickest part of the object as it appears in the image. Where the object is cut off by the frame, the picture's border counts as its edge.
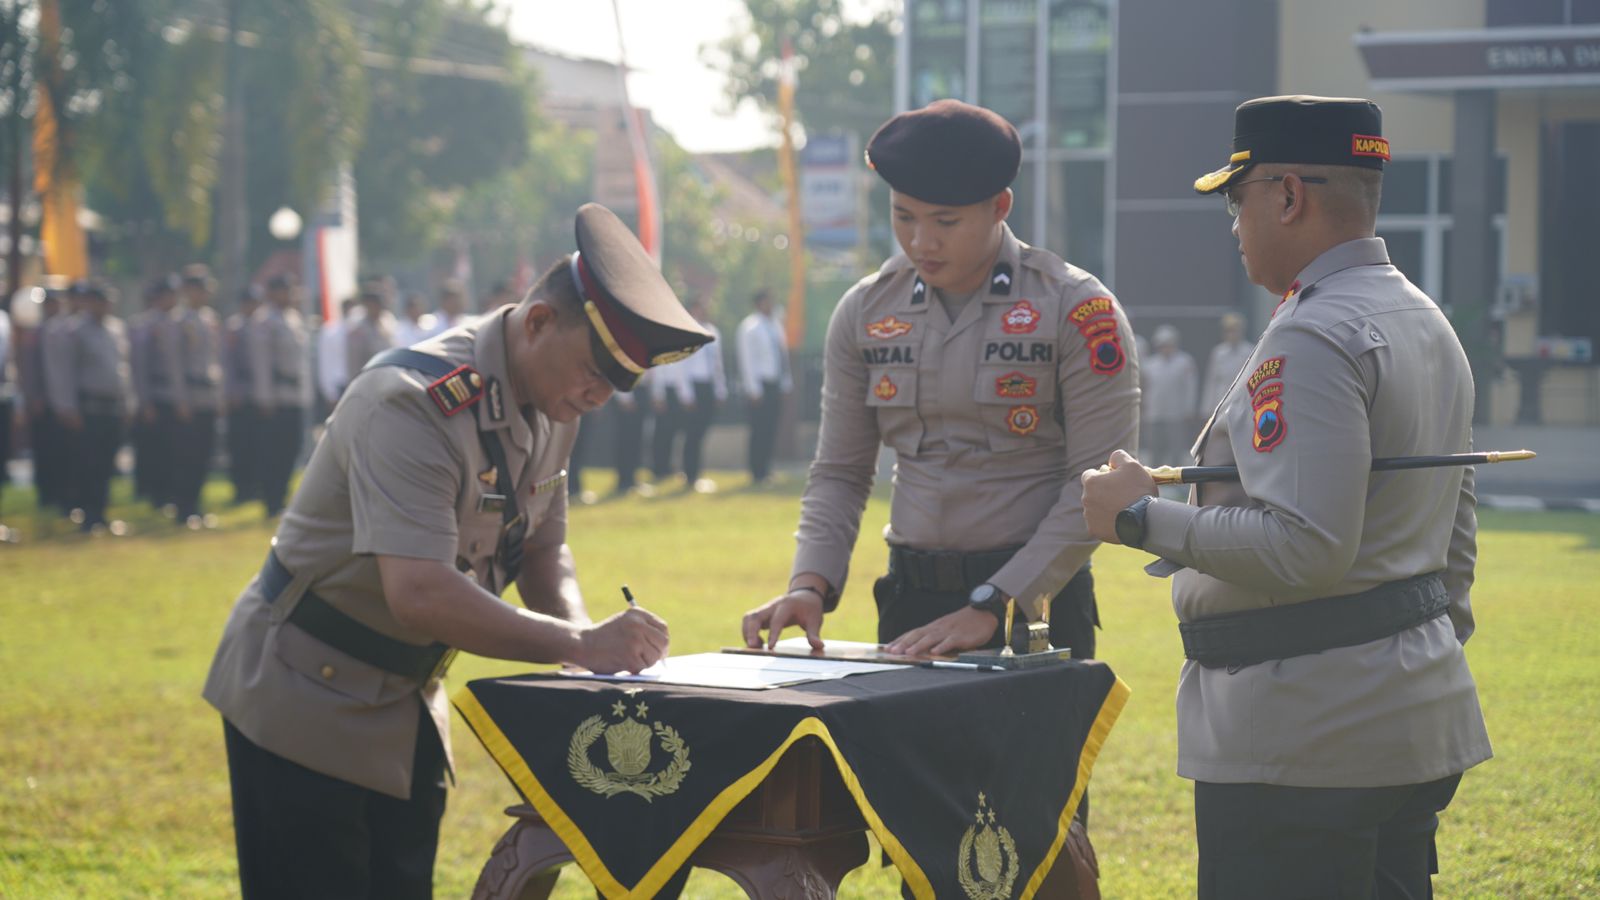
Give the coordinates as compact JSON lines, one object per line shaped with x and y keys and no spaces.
{"x":1212,"y":182}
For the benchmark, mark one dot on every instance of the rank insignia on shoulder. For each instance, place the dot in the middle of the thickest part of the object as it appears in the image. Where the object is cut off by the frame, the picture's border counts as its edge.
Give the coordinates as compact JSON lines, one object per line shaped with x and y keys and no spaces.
{"x":885,"y":389}
{"x":457,"y":390}
{"x":919,"y":292}
{"x":888,"y":327}
{"x":1021,"y":318}
{"x":1015,"y":384}
{"x":1023,"y":419}
{"x":1000,"y":281}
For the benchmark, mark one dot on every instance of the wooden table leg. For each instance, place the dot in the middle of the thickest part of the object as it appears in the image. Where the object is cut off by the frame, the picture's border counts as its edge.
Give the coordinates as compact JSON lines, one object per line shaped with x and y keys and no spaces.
{"x":802,"y":870}
{"x":525,"y":863}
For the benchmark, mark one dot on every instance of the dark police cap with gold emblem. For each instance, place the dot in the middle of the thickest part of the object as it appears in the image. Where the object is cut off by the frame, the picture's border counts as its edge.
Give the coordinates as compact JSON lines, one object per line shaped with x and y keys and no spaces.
{"x":635,"y":319}
{"x":949,"y":153}
{"x":1326,"y":131}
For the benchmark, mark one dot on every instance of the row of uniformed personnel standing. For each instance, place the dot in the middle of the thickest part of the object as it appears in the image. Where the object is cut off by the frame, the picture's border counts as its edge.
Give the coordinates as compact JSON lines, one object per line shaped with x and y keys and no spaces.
{"x":165,"y":380}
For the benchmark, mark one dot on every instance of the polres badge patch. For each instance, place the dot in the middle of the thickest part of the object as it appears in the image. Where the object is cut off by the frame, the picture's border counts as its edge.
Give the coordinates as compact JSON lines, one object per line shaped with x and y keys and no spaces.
{"x":1096,"y":320}
{"x":1270,"y":426}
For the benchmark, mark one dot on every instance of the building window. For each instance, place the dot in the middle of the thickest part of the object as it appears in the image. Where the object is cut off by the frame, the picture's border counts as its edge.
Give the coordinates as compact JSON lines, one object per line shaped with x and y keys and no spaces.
{"x":1079,"y":54}
{"x":939,"y":53}
{"x":1415,"y":220}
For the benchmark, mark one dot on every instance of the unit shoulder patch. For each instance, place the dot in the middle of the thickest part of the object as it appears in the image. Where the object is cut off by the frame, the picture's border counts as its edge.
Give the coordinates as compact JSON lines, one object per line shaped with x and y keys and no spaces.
{"x":457,"y":390}
{"x":1269,"y":369}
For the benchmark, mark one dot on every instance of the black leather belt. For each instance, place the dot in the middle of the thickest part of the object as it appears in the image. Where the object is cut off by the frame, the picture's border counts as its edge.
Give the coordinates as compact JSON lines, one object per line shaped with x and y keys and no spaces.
{"x":325,"y":622}
{"x":1253,"y":636}
{"x":946,"y":570}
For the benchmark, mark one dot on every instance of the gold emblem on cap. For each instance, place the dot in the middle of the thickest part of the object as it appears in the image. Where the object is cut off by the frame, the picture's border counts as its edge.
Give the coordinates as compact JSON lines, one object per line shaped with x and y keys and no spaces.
{"x":629,"y":754}
{"x":987,"y":867}
{"x":672,"y":356}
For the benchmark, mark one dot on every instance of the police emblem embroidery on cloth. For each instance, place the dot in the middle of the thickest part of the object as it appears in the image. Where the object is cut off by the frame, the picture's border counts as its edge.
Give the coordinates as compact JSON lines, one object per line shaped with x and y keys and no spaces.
{"x":886,"y":328}
{"x":628,"y":753}
{"x":1015,"y":384}
{"x":1096,"y":320}
{"x":885,"y":389}
{"x":1266,"y":405}
{"x":456,"y":391}
{"x":1020,"y":319}
{"x":1023,"y":419}
{"x":988,"y":865}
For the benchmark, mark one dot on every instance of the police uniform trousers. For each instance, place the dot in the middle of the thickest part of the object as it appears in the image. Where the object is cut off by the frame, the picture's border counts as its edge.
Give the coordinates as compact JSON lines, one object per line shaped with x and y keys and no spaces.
{"x":156,"y":456}
{"x":50,"y":459}
{"x":94,"y":457}
{"x":280,"y":447}
{"x":764,"y":411}
{"x":1271,"y":842}
{"x":628,"y":441}
{"x":670,"y":423}
{"x":902,"y":607}
{"x":196,"y":439}
{"x":308,"y":836}
{"x":244,"y":450}
{"x":5,"y":450}
{"x":696,"y":423}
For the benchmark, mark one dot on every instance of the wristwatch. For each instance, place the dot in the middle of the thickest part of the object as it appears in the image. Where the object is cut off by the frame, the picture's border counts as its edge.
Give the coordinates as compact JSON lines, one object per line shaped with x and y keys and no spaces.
{"x":989,"y":599}
{"x":1130,"y":522}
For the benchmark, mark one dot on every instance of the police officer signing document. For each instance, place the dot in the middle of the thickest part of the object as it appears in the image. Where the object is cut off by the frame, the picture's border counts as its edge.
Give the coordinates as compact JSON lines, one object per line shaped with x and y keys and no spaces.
{"x":995,"y":371}
{"x":1325,"y":712}
{"x":437,"y":483}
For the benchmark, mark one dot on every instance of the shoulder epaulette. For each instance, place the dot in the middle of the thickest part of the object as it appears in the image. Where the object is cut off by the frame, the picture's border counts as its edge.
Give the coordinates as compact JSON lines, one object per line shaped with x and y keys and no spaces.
{"x":458,"y":390}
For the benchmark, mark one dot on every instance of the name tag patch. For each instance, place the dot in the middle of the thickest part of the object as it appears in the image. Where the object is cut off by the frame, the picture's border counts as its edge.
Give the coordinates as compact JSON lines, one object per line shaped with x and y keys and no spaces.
{"x":899,"y":354}
{"x":1019,"y":351}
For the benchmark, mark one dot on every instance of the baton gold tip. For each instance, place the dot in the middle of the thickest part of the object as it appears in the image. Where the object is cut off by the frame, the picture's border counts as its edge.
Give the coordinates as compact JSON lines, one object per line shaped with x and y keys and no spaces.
{"x":1499,"y":456}
{"x":1166,"y":475}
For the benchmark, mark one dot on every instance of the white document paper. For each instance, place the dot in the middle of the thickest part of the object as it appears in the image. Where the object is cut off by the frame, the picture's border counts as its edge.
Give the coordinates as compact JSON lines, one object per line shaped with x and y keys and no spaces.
{"x":735,"y":670}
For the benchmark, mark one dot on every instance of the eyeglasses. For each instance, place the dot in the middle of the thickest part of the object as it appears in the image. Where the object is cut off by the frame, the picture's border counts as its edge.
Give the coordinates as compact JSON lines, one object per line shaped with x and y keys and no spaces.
{"x":1232,"y":202}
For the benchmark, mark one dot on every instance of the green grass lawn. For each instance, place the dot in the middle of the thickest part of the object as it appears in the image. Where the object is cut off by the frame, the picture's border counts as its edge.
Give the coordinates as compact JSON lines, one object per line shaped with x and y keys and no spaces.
{"x":113,"y":781}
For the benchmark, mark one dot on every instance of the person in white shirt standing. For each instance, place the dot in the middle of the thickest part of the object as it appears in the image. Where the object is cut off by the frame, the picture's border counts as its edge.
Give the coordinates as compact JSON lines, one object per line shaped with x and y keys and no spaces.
{"x":333,"y":370}
{"x":1227,"y":358}
{"x":1171,"y":388}
{"x":764,"y":374}
{"x":708,"y":388}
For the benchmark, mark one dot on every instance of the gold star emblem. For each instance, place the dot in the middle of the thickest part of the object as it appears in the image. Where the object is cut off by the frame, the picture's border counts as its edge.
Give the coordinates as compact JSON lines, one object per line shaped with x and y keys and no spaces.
{"x":643,"y":709}
{"x":619,"y":709}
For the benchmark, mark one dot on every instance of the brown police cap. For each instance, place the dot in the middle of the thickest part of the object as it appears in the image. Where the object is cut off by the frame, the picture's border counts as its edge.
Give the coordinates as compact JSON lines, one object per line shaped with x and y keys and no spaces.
{"x":949,"y":153}
{"x":634,"y":317}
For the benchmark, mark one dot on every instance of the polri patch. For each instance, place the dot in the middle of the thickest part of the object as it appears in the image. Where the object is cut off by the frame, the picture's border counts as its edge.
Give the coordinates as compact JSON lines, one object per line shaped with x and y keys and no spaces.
{"x":1023,"y":419}
{"x":885,"y":389}
{"x":888,"y":327}
{"x":1015,"y":384}
{"x":456,"y":391}
{"x":1021,"y":318}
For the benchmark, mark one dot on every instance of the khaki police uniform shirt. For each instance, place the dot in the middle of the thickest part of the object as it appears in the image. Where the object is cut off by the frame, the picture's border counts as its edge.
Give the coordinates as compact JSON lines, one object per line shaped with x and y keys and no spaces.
{"x":278,"y":365}
{"x":392,"y":475}
{"x":238,"y":368}
{"x":1356,"y":363}
{"x":200,"y":352}
{"x":86,"y":362}
{"x":991,"y":416}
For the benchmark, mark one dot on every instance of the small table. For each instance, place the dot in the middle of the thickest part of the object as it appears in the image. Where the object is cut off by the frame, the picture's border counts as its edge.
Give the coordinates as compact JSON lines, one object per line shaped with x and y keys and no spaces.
{"x":966,"y":778}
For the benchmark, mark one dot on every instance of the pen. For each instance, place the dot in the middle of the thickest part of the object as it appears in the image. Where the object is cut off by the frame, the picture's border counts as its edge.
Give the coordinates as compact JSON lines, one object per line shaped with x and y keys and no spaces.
{"x":628,"y":596}
{"x":976,"y":667}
